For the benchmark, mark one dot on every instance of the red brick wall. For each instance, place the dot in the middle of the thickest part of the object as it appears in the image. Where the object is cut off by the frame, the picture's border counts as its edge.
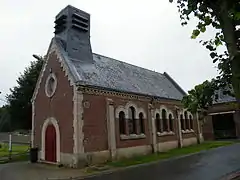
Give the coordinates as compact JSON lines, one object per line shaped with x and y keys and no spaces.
{"x":208,"y":129}
{"x":166,"y":138}
{"x":95,"y":129}
{"x":95,"y":124}
{"x":222,"y":107}
{"x":188,"y":135}
{"x":59,"y":106}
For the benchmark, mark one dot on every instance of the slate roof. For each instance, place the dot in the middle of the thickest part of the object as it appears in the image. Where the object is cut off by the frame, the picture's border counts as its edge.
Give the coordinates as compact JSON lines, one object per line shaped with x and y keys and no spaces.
{"x":223,"y":98}
{"x":112,"y":74}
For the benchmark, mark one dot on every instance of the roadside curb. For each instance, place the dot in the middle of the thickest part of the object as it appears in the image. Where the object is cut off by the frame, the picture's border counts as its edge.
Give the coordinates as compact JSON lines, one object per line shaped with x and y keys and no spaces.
{"x":231,"y":176}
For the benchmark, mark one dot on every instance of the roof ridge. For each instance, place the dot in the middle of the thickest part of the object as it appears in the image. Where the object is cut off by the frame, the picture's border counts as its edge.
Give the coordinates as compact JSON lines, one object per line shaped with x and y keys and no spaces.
{"x":129,"y":63}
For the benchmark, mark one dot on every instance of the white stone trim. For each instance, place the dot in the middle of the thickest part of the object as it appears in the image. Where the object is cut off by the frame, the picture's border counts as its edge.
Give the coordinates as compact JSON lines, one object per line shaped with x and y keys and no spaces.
{"x":132,"y":136}
{"x":52,"y":48}
{"x":152,"y":124}
{"x":165,"y":108}
{"x":125,"y":109}
{"x":181,"y":113}
{"x":226,"y":112}
{"x":63,"y":64}
{"x":141,"y":110}
{"x":157,"y":111}
{"x":39,"y":81}
{"x":111,"y":128}
{"x":54,"y":122}
{"x":184,"y":114}
{"x":78,"y":135}
{"x":190,"y":114}
{"x":127,"y":106}
{"x":33,"y":125}
{"x":165,"y":133}
{"x":51,"y":75}
{"x":187,"y":131}
{"x":170,"y":112}
{"x":75,"y":130}
{"x":118,"y":110}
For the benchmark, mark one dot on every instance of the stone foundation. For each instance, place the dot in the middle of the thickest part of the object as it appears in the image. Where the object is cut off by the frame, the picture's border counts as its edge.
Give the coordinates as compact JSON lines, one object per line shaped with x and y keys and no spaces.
{"x":189,"y":141}
{"x":165,"y":146}
{"x":133,"y":151}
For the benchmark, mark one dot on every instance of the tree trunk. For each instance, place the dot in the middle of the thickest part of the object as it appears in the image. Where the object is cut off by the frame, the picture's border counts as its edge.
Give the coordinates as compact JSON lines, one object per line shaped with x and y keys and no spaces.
{"x":235,"y":65}
{"x":228,"y":27}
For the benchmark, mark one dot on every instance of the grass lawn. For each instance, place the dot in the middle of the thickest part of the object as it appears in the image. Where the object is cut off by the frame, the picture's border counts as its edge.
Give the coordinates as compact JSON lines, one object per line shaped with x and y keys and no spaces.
{"x":16,"y":149}
{"x":171,"y":153}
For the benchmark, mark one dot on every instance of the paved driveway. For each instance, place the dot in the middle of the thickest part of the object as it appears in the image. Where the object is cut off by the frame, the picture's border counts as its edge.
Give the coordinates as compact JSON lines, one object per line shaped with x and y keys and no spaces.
{"x":27,"y":171}
{"x":209,"y":165}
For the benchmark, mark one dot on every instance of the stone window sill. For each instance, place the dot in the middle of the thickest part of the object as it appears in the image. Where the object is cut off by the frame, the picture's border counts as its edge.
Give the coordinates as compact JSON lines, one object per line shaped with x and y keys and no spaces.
{"x":132,"y":136}
{"x":187,"y":131}
{"x":165,"y":133}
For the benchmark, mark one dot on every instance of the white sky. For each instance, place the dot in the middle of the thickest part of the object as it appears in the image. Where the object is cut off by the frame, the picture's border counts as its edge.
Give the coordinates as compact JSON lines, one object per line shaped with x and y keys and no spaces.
{"x":140,"y":32}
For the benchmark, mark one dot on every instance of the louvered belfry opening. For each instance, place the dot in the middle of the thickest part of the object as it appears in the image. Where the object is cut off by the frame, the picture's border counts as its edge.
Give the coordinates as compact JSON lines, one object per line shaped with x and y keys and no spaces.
{"x":60,"y":24}
{"x":72,"y":27}
{"x":79,"y":23}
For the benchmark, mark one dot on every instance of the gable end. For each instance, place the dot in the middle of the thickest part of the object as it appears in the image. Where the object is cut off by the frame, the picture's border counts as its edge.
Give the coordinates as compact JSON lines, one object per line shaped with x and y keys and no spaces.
{"x":52,"y":48}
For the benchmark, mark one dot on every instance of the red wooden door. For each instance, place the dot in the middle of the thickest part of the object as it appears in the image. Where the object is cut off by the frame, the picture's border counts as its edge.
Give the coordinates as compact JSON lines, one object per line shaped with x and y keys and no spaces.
{"x":50,"y":144}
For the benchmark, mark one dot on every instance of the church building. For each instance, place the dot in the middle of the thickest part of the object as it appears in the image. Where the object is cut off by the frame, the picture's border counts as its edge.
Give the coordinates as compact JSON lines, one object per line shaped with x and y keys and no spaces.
{"x":88,"y":108}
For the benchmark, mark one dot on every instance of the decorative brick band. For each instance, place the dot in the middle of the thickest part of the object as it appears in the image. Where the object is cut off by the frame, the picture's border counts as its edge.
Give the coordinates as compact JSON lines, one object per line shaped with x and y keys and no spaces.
{"x":125,"y":95}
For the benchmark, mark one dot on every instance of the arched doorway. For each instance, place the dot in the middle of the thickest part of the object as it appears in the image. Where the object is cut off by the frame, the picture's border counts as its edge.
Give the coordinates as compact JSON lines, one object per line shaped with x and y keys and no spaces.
{"x":50,"y":144}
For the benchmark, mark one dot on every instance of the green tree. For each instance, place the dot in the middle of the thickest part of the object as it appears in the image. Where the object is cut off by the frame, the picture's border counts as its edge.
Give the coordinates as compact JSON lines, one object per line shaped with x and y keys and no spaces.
{"x":201,"y":97}
{"x":20,"y":97}
{"x":224,"y":17}
{"x":4,"y":119}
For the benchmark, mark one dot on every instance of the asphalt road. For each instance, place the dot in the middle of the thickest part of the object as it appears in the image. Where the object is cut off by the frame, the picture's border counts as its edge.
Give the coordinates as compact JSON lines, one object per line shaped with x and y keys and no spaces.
{"x":211,"y":165}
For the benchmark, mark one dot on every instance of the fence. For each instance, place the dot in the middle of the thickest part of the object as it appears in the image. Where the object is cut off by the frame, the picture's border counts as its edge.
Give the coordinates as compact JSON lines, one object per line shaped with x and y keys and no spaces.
{"x":16,"y":138}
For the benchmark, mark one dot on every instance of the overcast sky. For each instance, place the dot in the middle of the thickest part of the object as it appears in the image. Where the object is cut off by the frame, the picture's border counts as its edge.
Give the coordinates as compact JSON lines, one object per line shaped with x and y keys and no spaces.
{"x":140,"y":32}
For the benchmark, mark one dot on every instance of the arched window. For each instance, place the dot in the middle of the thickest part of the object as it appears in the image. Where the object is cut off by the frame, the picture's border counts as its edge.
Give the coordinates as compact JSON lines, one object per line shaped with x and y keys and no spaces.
{"x":191,"y":121}
{"x":170,"y":122}
{"x":132,"y":121}
{"x":182,"y":122}
{"x":187,"y":125}
{"x":141,"y":123}
{"x":158,"y":123}
{"x":164,"y":119}
{"x":122,"y":127}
